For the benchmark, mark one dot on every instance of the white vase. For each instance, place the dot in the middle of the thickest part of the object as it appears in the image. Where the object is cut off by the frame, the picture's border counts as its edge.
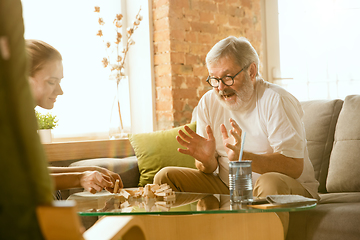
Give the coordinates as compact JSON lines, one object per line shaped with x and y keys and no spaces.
{"x":120,"y":110}
{"x":45,"y":135}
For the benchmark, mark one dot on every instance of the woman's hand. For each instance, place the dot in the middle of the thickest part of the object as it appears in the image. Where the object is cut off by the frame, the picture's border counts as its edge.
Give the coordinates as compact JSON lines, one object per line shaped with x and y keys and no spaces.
{"x":113,"y":177}
{"x":94,"y":181}
{"x":232,"y":144}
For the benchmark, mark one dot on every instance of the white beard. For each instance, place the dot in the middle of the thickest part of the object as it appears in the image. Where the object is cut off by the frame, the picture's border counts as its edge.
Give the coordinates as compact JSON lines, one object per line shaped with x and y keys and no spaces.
{"x":243,"y":96}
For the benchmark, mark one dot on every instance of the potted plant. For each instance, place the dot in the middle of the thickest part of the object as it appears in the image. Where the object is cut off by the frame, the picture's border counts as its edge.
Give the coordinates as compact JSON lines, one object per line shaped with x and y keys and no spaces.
{"x":46,"y":122}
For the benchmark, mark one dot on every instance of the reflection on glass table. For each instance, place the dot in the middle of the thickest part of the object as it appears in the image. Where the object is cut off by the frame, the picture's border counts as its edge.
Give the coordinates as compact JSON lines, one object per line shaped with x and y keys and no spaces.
{"x":105,"y":203}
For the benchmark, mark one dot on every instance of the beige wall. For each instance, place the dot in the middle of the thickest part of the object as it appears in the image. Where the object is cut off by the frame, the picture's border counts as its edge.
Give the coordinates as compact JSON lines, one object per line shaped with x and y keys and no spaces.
{"x":184,"y":31}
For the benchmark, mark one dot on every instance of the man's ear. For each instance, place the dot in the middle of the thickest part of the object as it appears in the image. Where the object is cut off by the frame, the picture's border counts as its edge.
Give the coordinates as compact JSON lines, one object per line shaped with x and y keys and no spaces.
{"x":252,"y":71}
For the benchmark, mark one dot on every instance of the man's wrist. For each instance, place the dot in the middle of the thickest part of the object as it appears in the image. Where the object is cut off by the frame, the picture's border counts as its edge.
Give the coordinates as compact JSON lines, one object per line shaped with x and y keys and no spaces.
{"x":207,"y":168}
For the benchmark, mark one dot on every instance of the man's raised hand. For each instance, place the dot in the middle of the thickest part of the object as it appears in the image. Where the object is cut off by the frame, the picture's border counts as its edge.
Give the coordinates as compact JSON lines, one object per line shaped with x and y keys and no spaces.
{"x":232,"y":143}
{"x":202,"y":149}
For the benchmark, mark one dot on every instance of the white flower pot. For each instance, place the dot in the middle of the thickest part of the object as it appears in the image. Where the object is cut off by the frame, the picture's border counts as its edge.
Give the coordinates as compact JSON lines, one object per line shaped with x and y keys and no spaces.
{"x":45,"y":135}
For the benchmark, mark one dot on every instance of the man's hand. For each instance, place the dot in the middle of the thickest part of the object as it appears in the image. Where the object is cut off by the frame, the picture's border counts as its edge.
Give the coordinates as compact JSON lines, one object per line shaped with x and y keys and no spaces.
{"x":94,"y":181}
{"x":232,"y":144}
{"x":202,"y":149}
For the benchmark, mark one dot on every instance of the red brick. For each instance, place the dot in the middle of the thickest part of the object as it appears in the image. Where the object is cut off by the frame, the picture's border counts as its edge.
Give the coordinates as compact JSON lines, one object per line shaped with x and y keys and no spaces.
{"x":162,"y":58}
{"x":192,"y":81}
{"x":179,"y":104}
{"x":180,"y":47}
{"x":177,"y":35}
{"x":204,"y":6}
{"x":185,"y":116}
{"x":164,"y":105}
{"x":195,"y":5}
{"x":161,"y":12}
{"x":160,"y":3}
{"x":177,"y":13}
{"x":165,"y":115}
{"x":205,"y":38}
{"x":200,"y":71}
{"x":256,"y":8}
{"x":203,"y":27}
{"x":160,"y":36}
{"x":179,"y":4}
{"x":246,"y":21}
{"x":194,"y":27}
{"x":223,"y":8}
{"x":178,"y":81}
{"x":179,"y":24}
{"x":191,"y":59}
{"x":249,"y":33}
{"x":237,"y":11}
{"x":164,"y":120}
{"x":164,"y":93}
{"x":202,"y":92}
{"x":163,"y":81}
{"x":234,"y":2}
{"x":191,"y":37}
{"x":235,"y":21}
{"x":221,"y":19}
{"x":161,"y":24}
{"x":184,"y":93}
{"x":258,"y":36}
{"x":193,"y":102}
{"x":257,"y":23}
{"x":177,"y":57}
{"x":191,"y":15}
{"x":197,"y":48}
{"x":206,"y":17}
{"x":181,"y":117}
{"x":203,"y":56}
{"x":246,"y":3}
{"x":162,"y":47}
{"x":182,"y":69}
{"x":162,"y":69}
{"x":227,"y":31}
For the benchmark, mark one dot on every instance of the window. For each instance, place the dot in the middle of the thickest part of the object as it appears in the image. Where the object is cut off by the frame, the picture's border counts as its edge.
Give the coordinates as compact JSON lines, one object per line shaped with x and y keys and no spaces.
{"x":71,"y":27}
{"x":313,"y":48}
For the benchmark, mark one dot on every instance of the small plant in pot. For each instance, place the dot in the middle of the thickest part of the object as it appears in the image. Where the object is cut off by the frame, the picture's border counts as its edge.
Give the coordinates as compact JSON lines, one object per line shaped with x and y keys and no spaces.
{"x":46,"y":122}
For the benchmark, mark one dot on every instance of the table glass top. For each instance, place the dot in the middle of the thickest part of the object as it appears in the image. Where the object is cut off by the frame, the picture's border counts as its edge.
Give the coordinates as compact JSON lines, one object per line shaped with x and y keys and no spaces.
{"x":105,"y":203}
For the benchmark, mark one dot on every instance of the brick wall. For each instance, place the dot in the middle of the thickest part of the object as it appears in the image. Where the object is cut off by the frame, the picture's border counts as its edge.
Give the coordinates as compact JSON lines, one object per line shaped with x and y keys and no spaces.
{"x":184,"y":31}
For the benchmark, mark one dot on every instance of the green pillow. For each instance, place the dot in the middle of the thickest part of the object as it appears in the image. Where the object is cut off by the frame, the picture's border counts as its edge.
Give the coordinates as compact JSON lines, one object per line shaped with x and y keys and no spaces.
{"x":156,"y":150}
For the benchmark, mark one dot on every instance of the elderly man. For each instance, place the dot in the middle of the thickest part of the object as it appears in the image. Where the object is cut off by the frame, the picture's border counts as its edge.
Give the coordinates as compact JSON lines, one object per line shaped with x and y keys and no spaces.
{"x":243,"y":102}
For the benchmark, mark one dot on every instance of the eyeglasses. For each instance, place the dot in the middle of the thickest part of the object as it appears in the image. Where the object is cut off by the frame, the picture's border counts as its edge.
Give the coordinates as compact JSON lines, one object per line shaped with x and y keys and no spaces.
{"x":227,"y":80}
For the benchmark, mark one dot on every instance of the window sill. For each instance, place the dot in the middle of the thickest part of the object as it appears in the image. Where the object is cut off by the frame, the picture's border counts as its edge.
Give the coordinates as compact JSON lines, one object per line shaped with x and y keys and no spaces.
{"x":78,"y":150}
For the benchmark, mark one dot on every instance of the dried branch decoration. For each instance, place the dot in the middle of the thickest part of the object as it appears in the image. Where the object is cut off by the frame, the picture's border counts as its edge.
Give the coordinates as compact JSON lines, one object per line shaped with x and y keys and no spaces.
{"x":121,"y":53}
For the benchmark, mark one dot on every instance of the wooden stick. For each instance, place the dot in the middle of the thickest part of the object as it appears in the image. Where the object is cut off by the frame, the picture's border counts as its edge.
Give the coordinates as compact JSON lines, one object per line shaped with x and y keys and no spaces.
{"x":116,"y":188}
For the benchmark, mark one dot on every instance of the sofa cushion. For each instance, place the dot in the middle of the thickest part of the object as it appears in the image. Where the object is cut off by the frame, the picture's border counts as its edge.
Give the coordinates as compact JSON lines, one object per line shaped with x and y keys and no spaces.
{"x":320,"y":117}
{"x":156,"y":150}
{"x":343,"y":197}
{"x":344,"y":167}
{"x":330,"y":221}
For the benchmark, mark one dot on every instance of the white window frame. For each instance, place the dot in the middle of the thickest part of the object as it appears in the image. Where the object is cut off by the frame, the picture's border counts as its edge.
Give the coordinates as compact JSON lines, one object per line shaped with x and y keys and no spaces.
{"x":141,"y":77}
{"x":270,"y":38}
{"x":338,"y":85}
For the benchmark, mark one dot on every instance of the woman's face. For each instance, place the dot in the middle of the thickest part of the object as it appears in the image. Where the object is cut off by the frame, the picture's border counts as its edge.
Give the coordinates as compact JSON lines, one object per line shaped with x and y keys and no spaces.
{"x":45,"y":84}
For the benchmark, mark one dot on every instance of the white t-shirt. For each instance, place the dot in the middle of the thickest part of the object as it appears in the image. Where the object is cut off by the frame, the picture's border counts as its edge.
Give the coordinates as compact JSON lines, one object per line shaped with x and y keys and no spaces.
{"x":272,"y":122}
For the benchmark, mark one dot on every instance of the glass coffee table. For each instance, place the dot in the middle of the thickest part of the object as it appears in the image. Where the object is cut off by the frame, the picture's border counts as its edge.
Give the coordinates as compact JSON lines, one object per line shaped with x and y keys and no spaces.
{"x":189,"y":215}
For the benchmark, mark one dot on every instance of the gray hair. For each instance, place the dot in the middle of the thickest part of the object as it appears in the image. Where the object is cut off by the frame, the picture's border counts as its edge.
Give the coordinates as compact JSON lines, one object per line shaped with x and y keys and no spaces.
{"x":240,"y":49}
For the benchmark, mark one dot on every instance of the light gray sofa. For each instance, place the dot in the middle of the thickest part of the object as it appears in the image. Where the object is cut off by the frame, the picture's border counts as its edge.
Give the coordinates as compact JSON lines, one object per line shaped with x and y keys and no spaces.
{"x":333,"y":137}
